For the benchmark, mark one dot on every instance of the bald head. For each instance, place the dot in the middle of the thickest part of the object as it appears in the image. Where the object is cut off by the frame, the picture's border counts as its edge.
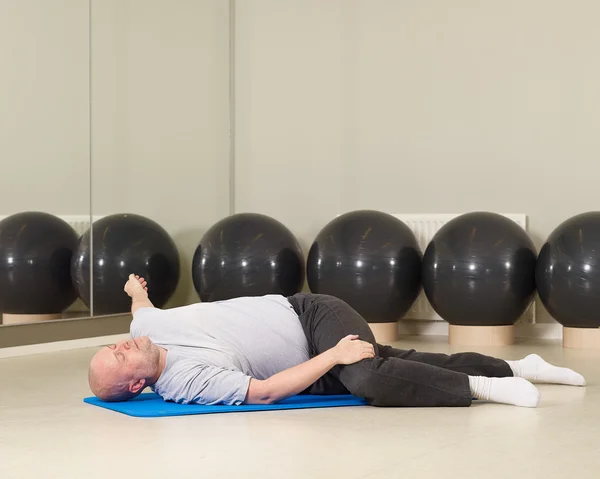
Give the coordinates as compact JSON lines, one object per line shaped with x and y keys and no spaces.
{"x":121,"y":371}
{"x":105,"y":380}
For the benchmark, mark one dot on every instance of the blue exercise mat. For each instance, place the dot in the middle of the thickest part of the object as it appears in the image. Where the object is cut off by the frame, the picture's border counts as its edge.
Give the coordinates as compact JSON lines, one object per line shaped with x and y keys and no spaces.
{"x":152,"y":405}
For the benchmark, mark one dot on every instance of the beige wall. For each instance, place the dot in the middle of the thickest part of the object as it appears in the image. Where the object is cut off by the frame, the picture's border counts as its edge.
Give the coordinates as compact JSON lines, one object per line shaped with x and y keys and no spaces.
{"x":44,"y":106}
{"x":160,"y":112}
{"x":417,"y":106}
{"x":404,"y":106}
{"x":160,"y":71}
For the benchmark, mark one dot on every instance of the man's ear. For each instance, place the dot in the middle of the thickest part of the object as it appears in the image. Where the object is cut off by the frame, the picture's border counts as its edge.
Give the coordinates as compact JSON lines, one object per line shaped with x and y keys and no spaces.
{"x":137,"y":386}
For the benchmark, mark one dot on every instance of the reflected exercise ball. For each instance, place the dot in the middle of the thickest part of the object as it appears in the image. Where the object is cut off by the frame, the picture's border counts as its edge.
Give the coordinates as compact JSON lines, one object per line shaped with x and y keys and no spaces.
{"x":568,"y":274}
{"x":479,"y":270}
{"x":372,"y":261}
{"x":125,"y":244}
{"x":247,"y":254}
{"x":35,"y":257}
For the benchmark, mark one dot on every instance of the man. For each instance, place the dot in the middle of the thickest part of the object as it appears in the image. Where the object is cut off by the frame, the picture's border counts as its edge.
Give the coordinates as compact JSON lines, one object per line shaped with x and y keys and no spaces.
{"x":260,"y":350}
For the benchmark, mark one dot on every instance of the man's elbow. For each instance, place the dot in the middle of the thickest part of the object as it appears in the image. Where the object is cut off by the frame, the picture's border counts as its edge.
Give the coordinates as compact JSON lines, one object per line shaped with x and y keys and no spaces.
{"x":260,"y":392}
{"x":260,"y":399}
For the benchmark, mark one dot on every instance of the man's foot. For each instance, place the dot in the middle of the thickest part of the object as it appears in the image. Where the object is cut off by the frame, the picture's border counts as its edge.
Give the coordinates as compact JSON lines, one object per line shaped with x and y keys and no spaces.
{"x":515,"y":391}
{"x":136,"y":286}
{"x":534,"y":368}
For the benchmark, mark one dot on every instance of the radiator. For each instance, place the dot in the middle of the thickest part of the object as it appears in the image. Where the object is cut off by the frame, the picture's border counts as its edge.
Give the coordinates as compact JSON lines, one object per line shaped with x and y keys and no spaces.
{"x":80,"y":223}
{"x":424,"y":226}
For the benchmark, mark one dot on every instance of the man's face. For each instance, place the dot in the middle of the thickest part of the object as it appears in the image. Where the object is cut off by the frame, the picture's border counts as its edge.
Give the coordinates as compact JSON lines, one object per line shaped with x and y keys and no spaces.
{"x":130,"y":354}
{"x":123,"y":364}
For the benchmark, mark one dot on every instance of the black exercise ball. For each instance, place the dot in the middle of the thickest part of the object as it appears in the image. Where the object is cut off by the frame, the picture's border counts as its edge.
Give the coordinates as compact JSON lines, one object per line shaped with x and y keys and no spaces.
{"x":35,"y":258}
{"x":247,"y":254}
{"x":479,"y":270}
{"x":369,"y":259}
{"x":125,"y":244}
{"x":568,"y":272}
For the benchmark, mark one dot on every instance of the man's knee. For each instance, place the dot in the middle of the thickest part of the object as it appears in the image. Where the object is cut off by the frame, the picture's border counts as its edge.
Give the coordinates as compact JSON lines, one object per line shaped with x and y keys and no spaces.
{"x":360,"y":379}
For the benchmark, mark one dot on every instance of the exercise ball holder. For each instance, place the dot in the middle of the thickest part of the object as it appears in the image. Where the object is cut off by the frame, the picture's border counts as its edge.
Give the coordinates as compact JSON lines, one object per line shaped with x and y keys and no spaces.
{"x":35,"y":256}
{"x":479,"y":276}
{"x":568,"y":279}
{"x":581,"y":338}
{"x":385,"y":333}
{"x":372,"y":261}
{"x":491,"y":336}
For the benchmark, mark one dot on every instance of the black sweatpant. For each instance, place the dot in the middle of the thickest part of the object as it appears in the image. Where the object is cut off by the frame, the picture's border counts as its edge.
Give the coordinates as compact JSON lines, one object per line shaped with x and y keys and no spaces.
{"x":394,"y":377}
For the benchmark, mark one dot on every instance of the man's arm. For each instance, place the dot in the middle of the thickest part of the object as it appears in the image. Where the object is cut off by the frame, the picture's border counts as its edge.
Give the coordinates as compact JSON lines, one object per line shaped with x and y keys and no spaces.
{"x":137,"y":289}
{"x":295,"y":380}
{"x":138,"y":303}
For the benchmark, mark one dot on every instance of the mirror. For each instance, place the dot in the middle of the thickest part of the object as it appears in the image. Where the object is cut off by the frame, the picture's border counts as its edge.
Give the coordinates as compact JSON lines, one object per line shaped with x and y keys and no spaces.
{"x":44,"y":149}
{"x":160,"y":144}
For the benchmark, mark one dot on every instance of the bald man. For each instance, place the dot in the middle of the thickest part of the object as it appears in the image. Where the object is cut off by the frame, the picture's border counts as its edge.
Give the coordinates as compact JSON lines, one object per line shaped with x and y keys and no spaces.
{"x":260,"y":350}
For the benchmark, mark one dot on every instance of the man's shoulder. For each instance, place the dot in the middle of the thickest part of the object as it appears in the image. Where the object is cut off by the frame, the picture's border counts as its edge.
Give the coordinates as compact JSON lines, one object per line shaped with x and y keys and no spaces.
{"x":141,"y":318}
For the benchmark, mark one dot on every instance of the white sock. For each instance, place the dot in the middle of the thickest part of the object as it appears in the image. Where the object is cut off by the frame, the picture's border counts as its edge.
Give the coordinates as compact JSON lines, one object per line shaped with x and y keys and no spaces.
{"x":534,"y":368}
{"x":515,"y":391}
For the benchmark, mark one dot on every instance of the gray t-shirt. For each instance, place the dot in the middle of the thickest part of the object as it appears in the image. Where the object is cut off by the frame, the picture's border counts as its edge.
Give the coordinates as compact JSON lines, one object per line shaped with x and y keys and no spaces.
{"x":213,"y":349}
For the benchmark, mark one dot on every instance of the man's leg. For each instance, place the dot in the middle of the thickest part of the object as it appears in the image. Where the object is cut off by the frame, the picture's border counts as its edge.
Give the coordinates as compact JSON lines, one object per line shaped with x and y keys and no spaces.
{"x":392,"y":381}
{"x":473,"y":364}
{"x":533,"y":367}
{"x":382,"y":381}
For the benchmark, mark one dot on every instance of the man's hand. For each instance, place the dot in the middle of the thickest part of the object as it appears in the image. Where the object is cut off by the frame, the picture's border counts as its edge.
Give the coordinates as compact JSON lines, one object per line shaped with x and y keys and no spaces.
{"x":351,"y":350}
{"x":137,"y":289}
{"x":294,"y":380}
{"x":136,"y":286}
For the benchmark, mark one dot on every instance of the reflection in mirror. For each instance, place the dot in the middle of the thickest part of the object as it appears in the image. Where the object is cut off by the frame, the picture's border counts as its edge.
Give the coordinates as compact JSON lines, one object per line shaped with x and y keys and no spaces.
{"x":125,"y":244}
{"x":44,"y":149}
{"x":160,"y":144}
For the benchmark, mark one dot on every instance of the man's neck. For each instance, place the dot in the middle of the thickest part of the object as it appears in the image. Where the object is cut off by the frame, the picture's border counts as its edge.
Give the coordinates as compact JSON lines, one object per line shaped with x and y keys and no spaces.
{"x":162,"y":361}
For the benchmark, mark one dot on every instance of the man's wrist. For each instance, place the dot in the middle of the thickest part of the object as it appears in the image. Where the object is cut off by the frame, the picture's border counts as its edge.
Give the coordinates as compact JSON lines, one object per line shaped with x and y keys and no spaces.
{"x":332,"y":356}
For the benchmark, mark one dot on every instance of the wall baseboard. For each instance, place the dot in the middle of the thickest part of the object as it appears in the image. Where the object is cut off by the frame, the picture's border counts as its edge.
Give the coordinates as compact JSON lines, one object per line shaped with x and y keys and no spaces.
{"x":55,"y":346}
{"x":542,"y":331}
{"x":423,"y":328}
